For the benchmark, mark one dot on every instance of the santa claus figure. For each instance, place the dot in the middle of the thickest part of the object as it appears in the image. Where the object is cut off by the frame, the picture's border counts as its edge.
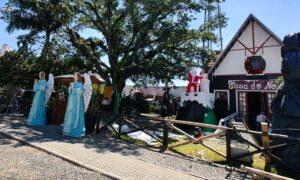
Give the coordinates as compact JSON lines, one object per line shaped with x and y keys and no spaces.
{"x":193,"y":81}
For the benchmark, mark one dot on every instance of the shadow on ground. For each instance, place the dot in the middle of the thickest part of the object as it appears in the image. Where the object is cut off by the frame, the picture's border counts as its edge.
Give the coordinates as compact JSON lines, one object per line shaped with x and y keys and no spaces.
{"x":102,"y":143}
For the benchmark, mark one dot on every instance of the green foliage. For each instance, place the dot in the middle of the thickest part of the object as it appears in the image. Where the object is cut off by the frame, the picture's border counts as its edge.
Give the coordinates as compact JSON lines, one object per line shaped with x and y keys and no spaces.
{"x":130,"y":39}
{"x":20,"y":68}
{"x":279,"y":80}
{"x":17,"y":71}
{"x":154,"y":109}
{"x":35,"y":15}
{"x":45,"y":17}
{"x":147,"y":38}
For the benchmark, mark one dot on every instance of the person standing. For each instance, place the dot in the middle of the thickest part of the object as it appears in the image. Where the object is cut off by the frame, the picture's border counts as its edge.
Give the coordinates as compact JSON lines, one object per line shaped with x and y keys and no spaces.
{"x":37,"y":115}
{"x":74,"y":118}
{"x":259,"y":119}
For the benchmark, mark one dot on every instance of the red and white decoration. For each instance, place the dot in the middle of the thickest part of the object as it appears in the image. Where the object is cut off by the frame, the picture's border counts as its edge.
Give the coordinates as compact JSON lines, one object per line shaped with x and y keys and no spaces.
{"x":193,"y":81}
{"x":255,"y":65}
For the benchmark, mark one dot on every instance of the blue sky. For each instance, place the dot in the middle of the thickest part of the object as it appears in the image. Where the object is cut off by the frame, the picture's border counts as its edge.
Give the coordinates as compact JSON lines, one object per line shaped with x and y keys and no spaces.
{"x":280,"y":16}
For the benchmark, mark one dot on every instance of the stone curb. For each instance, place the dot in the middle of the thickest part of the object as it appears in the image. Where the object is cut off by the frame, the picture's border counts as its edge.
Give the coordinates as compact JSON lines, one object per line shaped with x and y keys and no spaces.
{"x":66,"y":158}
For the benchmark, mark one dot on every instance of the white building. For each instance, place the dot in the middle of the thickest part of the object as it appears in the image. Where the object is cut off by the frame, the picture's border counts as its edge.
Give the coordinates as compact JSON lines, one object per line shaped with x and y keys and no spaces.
{"x":5,"y":48}
{"x":244,"y":76}
{"x":154,"y":92}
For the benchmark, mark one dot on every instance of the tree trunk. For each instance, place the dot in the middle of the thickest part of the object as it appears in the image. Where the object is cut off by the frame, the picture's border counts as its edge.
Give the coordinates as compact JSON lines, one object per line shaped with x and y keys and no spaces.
{"x":118,"y":85}
{"x":45,"y":65}
{"x":46,"y":45}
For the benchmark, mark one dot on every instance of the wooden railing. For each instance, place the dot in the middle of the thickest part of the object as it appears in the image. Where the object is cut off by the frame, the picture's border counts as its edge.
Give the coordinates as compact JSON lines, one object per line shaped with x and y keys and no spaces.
{"x":229,"y":133}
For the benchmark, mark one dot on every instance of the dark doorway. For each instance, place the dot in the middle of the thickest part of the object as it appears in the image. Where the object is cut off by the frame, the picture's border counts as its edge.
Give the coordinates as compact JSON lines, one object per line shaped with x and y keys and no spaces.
{"x":254,"y":108}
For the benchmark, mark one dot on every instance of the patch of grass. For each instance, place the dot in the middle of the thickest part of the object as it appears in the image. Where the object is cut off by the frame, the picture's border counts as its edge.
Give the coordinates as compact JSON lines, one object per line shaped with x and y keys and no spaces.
{"x":199,"y":151}
{"x":133,"y":141}
{"x":258,"y":162}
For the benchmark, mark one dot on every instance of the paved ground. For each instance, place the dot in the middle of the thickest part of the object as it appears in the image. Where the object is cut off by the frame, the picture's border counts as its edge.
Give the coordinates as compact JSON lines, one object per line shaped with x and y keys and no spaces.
{"x":122,"y":160}
{"x":19,"y":161}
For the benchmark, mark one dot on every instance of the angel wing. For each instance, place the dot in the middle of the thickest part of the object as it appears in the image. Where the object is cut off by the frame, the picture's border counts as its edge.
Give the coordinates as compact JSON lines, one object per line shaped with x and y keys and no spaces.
{"x":50,"y":87}
{"x":88,"y":89}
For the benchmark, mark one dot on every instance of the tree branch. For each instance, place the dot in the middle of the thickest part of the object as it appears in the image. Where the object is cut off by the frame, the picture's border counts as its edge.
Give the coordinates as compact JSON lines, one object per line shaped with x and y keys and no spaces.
{"x":85,"y":50}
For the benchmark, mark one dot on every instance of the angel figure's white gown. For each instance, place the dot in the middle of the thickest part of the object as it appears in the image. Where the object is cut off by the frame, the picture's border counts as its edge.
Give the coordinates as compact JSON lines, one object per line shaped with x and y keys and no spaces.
{"x":37,"y":115}
{"x":74,"y":117}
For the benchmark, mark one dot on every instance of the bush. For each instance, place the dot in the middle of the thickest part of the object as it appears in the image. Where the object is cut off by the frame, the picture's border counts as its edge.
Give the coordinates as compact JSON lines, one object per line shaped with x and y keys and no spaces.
{"x":154,"y":109}
{"x":137,"y":102}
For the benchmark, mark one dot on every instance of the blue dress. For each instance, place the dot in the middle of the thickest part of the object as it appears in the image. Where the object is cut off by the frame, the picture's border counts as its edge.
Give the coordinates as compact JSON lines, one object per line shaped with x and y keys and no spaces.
{"x":37,"y":115}
{"x":74,"y":117}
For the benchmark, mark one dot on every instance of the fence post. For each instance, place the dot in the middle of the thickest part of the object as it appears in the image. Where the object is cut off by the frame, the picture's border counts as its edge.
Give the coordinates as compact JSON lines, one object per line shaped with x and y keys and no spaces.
{"x":120,"y":125}
{"x":165,"y":137}
{"x":228,"y":146}
{"x":266,"y":141}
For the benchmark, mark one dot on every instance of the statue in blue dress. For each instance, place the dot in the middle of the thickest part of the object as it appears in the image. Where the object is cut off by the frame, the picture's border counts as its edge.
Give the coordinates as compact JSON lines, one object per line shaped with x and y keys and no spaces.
{"x":37,"y":115}
{"x":74,"y":118}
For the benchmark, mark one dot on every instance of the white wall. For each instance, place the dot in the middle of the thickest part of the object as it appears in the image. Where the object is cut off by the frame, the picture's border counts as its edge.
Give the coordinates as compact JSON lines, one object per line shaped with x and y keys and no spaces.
{"x":233,"y":62}
{"x":156,"y":91}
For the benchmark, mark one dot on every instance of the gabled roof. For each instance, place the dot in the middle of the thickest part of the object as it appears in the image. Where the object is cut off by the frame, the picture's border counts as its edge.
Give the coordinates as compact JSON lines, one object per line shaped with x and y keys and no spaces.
{"x":250,"y":18}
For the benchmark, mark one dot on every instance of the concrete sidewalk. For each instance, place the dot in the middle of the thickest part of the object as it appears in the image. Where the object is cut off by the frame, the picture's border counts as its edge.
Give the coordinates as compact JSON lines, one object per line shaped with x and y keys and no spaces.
{"x":115,"y":161}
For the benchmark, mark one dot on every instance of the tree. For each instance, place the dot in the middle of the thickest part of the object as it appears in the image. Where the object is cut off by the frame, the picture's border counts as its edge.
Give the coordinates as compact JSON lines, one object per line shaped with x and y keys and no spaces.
{"x":36,"y":16}
{"x":130,"y":39}
{"x":137,"y":38}
{"x":19,"y":68}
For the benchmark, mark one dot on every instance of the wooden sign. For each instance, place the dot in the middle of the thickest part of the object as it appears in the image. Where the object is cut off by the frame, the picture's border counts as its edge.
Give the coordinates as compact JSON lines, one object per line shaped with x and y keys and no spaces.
{"x":252,"y":85}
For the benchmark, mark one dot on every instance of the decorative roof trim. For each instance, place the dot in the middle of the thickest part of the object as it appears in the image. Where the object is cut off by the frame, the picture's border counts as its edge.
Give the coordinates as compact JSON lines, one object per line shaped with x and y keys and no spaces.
{"x":235,"y":38}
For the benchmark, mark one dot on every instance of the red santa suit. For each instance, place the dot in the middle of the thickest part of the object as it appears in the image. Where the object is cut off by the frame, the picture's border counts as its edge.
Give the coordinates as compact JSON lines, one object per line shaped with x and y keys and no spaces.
{"x":193,"y":81}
